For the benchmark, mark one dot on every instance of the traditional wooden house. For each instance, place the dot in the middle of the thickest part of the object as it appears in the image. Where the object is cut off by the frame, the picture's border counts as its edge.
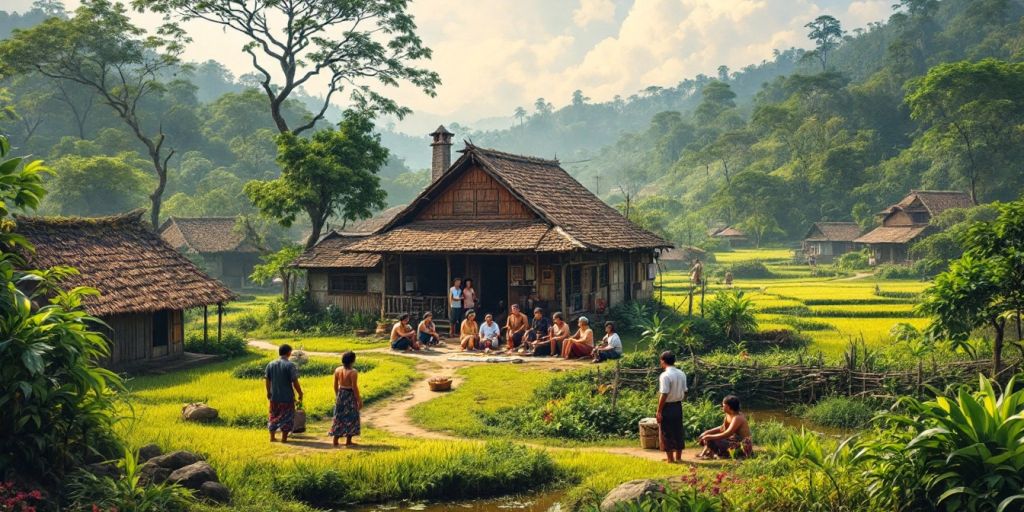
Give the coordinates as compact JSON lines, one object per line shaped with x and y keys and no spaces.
{"x":828,"y":240}
{"x":215,"y":244}
{"x":521,"y":227}
{"x":729,"y":236}
{"x":144,"y":284}
{"x":908,"y":221}
{"x":681,"y":258}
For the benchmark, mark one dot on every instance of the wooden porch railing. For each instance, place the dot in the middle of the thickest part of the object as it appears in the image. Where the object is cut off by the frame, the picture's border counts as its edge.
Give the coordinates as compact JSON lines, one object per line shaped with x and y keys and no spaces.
{"x":416,"y":305}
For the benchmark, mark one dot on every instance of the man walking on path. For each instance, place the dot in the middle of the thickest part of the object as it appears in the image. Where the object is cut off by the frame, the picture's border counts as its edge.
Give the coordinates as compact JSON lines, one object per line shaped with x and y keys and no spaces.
{"x":282,"y":379}
{"x":672,"y":391}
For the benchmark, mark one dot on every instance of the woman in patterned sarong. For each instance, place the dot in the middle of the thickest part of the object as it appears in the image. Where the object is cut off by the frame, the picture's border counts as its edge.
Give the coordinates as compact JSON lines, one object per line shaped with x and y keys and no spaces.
{"x":347,"y":402}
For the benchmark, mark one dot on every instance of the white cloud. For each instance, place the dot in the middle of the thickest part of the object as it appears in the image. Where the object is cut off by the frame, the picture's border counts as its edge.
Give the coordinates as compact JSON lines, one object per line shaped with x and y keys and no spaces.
{"x":591,"y":11}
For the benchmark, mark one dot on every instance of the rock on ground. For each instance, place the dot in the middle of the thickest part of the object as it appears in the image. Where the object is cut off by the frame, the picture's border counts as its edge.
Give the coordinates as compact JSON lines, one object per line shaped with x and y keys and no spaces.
{"x":151,"y":473}
{"x":632,"y":491}
{"x":148,"y":452}
{"x":193,"y":476}
{"x":215,"y":491}
{"x":199,"y":412}
{"x":175,"y":460}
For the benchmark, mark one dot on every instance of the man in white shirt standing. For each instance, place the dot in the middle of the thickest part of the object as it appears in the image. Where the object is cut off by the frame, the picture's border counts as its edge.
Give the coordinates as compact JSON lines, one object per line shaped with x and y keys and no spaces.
{"x":490,"y":333}
{"x":672,"y":390}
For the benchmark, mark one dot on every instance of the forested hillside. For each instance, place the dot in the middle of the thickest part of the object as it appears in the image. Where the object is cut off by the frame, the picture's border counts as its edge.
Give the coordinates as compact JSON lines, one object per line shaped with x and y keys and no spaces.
{"x":931,"y":100}
{"x":835,"y":133}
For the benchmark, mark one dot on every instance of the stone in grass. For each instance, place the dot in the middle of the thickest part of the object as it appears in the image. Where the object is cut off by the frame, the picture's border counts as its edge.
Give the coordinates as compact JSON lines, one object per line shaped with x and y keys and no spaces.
{"x":151,"y":473}
{"x":148,"y":452}
{"x":631,"y":492}
{"x":193,"y":476}
{"x":199,"y":412}
{"x":175,"y":460}
{"x":215,"y":491}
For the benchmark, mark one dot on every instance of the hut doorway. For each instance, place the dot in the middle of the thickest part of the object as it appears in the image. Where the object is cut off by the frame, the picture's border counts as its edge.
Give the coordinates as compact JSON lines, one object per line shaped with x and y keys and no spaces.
{"x":161,"y":332}
{"x":493,"y":285}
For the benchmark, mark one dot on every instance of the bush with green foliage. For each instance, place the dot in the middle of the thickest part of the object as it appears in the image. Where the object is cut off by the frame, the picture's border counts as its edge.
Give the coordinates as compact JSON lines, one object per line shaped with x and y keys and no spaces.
{"x":840,"y":412}
{"x":856,"y":260}
{"x":960,"y":451}
{"x":58,"y":404}
{"x":751,"y":269}
{"x":732,"y":313}
{"x":632,"y":316}
{"x":88,"y":491}
{"x":300,"y":314}
{"x":916,"y":270}
{"x":231,"y":343}
{"x":311,"y":368}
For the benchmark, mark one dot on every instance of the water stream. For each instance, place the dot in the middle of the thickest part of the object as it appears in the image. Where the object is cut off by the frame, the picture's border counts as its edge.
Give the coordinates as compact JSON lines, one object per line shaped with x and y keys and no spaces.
{"x":543,"y":502}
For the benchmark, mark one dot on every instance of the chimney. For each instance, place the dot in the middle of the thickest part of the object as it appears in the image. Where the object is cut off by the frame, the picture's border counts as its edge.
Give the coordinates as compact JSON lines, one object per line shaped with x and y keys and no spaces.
{"x":442,"y":146}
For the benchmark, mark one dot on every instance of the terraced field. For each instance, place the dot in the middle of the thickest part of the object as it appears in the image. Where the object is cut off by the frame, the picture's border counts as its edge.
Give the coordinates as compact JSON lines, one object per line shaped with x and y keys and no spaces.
{"x":831,"y":311}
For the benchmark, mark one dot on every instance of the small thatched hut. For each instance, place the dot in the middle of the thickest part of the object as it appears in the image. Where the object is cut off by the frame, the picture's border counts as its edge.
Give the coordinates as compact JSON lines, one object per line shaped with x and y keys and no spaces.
{"x":216,"y":245}
{"x":144,"y":284}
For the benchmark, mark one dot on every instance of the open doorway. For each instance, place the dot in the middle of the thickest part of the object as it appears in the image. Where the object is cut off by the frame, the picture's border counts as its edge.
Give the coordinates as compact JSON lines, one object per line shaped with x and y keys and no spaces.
{"x":493,"y":285}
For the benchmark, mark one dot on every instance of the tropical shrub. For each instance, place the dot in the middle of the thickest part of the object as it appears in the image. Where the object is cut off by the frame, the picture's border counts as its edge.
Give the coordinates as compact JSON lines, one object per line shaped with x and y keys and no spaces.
{"x":840,"y":411}
{"x":961,"y":451}
{"x":857,"y":260}
{"x":231,"y":343}
{"x":752,"y":269}
{"x":14,"y":498}
{"x":298,"y":313}
{"x":898,"y":271}
{"x":732,"y":313}
{"x":686,"y":499}
{"x":124,"y":491}
{"x":248,"y":322}
{"x":58,"y":405}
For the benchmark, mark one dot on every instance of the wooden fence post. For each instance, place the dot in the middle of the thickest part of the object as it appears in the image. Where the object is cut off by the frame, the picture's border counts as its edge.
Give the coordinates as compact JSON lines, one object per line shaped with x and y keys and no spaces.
{"x":615,"y":385}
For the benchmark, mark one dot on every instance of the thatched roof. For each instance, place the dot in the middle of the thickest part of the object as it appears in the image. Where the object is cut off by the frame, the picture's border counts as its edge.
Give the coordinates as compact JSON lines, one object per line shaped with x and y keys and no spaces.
{"x":728,"y":232}
{"x":685,"y":253}
{"x":833,"y":232}
{"x":202,"y":235}
{"x":133,"y":268}
{"x":891,"y":235}
{"x":570,"y":217}
{"x":934,"y":202}
{"x":330,"y":253}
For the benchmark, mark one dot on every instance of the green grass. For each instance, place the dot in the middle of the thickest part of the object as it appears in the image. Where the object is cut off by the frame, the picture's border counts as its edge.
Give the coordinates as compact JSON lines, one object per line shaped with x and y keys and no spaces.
{"x":330,"y":343}
{"x":764,"y":254}
{"x":485,"y":388}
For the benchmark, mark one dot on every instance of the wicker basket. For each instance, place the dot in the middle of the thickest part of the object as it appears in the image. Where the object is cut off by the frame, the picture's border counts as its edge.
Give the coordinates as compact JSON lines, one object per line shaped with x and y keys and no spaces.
{"x":649,"y":434}
{"x":440,"y":384}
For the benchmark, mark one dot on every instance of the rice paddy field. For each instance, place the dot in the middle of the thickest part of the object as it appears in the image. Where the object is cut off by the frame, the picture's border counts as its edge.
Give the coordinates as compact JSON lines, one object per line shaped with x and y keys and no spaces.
{"x":830,"y":311}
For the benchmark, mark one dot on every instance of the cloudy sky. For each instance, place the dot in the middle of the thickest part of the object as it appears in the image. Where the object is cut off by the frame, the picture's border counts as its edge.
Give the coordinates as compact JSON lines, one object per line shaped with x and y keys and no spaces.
{"x":494,"y":55}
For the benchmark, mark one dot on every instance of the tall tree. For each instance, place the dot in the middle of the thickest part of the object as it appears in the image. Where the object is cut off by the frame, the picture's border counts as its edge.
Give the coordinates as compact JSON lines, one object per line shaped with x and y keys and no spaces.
{"x":973,"y":111}
{"x":101,"y":49}
{"x":331,"y":174}
{"x":337,"y":43}
{"x":520,"y":114}
{"x":982,"y":288}
{"x":827,"y":33}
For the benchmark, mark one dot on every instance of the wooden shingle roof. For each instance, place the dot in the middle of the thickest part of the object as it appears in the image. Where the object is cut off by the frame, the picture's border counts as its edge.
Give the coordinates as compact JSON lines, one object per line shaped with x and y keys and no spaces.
{"x":331,"y":252}
{"x":134,"y":270}
{"x":580,"y":219}
{"x":468,"y":235}
{"x":202,"y":235}
{"x":891,"y":235}
{"x":937,"y":201}
{"x":833,"y":232}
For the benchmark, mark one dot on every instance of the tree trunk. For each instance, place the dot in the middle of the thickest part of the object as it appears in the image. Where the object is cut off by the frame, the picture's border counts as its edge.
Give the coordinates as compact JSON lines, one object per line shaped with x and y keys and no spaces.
{"x":317,"y":226}
{"x":157,"y":197}
{"x":997,"y":346}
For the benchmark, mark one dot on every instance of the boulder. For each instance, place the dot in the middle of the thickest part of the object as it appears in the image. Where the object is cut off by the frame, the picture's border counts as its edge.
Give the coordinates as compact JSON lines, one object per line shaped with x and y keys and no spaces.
{"x":175,"y":460}
{"x":104,"y":469}
{"x":631,"y":492}
{"x":199,"y":412}
{"x":151,"y":473}
{"x":215,"y":491}
{"x":193,"y":476}
{"x":148,"y":452}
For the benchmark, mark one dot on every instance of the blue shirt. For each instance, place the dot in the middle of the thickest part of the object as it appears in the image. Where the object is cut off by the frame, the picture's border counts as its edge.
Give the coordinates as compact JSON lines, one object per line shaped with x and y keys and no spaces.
{"x":282,"y":373}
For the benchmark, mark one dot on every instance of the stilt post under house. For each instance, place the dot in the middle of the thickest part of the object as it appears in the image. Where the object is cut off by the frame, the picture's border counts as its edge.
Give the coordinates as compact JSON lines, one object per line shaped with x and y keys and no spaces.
{"x":220,"y":320}
{"x":206,"y":323}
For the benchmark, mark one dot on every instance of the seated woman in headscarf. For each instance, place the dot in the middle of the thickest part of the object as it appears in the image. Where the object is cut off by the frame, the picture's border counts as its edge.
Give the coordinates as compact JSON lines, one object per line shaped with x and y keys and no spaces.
{"x":733,"y":438}
{"x":581,"y":344}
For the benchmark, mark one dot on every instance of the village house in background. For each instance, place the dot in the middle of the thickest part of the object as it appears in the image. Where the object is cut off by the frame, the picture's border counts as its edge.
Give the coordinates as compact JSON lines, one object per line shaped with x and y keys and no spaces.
{"x":521,"y":227}
{"x":826,"y":241}
{"x":729,"y":237}
{"x":681,"y":258}
{"x":908,"y":221}
{"x":145,"y":285}
{"x":215,"y":244}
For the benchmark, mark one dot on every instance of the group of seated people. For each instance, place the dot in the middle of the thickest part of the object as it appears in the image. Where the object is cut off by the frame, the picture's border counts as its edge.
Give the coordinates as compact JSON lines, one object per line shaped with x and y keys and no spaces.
{"x":541,"y":337}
